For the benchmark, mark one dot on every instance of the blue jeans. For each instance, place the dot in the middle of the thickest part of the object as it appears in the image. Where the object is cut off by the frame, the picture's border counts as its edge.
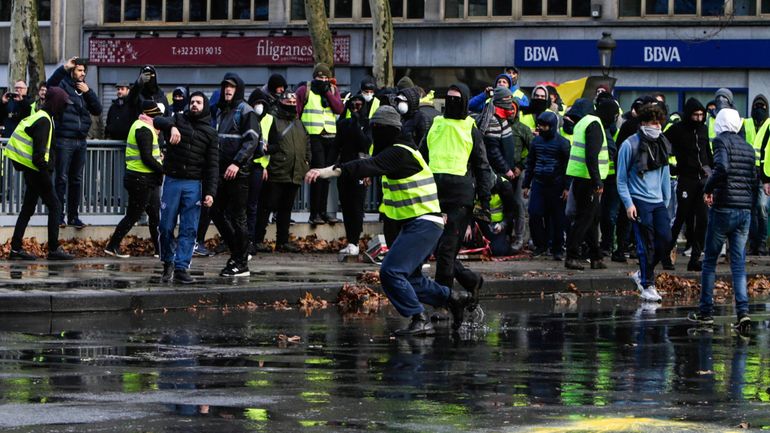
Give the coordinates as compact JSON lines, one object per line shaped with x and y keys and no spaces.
{"x":733,"y":225}
{"x":70,"y":160}
{"x":179,"y":198}
{"x":653,"y":237}
{"x":401,"y":271}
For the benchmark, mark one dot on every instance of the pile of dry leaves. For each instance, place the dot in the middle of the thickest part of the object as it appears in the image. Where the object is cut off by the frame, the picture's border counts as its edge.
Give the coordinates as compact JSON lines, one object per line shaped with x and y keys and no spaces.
{"x":359,"y":299}
{"x":687,"y":290}
{"x":85,"y":247}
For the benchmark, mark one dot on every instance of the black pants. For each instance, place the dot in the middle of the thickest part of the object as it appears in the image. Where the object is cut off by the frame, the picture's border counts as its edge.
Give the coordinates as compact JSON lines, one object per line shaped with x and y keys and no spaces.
{"x":143,"y":196}
{"x":255,"y":201}
{"x":277,"y":197}
{"x":203,"y":224}
{"x":691,"y":211}
{"x":323,"y":153}
{"x":585,"y":225}
{"x":39,"y":186}
{"x":448,"y":268}
{"x":352,"y":195}
{"x":229,"y":215}
{"x":622,"y":231}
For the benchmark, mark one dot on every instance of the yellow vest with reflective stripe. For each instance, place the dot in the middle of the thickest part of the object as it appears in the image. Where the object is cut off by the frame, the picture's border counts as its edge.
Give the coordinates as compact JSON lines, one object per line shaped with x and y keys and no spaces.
{"x":751,"y":133}
{"x":264,"y":125}
{"x":576,"y":166}
{"x":496,"y":208}
{"x":316,"y":117}
{"x":410,"y":197}
{"x":565,"y":135}
{"x":759,"y":138}
{"x":19,"y":147}
{"x":133,"y":157}
{"x":450,"y":142}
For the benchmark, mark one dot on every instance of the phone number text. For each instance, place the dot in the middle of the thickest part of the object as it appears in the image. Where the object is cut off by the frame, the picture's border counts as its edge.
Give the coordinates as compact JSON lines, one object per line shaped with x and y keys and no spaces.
{"x":196,"y":51}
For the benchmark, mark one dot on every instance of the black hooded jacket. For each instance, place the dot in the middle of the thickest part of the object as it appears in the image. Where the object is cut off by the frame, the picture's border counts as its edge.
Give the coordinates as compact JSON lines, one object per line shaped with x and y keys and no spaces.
{"x":690,"y":144}
{"x":149,"y":91}
{"x":477,"y":182}
{"x":196,"y":156}
{"x":239,"y":131}
{"x":413,"y":123}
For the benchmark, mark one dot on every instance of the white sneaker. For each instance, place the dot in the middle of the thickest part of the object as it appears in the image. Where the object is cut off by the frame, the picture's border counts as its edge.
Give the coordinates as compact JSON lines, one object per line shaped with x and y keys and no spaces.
{"x":350,"y":250}
{"x":637,"y":277}
{"x":651,"y":294}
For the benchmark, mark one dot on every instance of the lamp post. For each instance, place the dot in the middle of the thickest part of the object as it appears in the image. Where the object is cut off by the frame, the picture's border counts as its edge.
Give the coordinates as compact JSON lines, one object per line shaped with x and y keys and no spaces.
{"x":606,"y":45}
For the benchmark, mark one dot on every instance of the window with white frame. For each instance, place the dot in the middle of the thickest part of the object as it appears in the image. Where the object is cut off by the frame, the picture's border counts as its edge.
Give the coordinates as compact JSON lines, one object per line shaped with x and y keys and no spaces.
{"x":510,"y":8}
{"x":177,"y":11}
{"x":356,"y":9}
{"x":701,"y":8}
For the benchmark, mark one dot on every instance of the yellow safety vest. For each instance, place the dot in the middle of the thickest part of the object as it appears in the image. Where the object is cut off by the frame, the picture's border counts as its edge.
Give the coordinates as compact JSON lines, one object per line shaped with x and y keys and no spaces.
{"x":133,"y":157}
{"x":750,"y":131}
{"x":410,"y":197}
{"x":19,"y":147}
{"x":264,"y":125}
{"x":565,"y":135}
{"x":760,"y":137}
{"x":372,"y":109}
{"x":316,"y":117}
{"x":576,"y":166}
{"x":450,"y":142}
{"x":712,"y":133}
{"x":33,"y":108}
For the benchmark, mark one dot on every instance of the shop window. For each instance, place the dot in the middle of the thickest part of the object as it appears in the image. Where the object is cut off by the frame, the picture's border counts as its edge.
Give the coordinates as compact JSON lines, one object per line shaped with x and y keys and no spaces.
{"x":685,"y":7}
{"x":528,"y":8}
{"x":477,"y":8}
{"x":261,"y":10}
{"x":745,"y":7}
{"x":557,"y":7}
{"x":415,"y":9}
{"x":132,"y":10}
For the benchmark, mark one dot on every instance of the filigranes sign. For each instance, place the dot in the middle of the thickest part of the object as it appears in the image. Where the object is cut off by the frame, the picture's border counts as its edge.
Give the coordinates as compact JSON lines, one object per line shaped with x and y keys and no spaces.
{"x":243,"y":51}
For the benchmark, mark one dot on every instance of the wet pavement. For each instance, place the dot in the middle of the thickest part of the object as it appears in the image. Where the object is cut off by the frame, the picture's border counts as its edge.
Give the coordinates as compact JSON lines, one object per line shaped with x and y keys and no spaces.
{"x":604,"y":365}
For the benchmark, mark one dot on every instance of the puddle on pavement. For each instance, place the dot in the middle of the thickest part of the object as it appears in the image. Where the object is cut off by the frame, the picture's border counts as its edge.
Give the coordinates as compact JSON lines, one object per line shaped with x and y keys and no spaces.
{"x":606,"y":367}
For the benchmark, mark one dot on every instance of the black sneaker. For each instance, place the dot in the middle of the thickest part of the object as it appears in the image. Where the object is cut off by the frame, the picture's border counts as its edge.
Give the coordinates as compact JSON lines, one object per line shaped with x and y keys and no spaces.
{"x":700,"y":318}
{"x":598,"y":264}
{"x":574,"y":264}
{"x":288,"y":247}
{"x":743,"y":325}
{"x":419,"y":326}
{"x":329,"y":219}
{"x":233,"y":269}
{"x":669,"y":267}
{"x":59,"y":254}
{"x":695,"y":266}
{"x":168,"y":272}
{"x":316,"y":220}
{"x":115,"y":252}
{"x":20,"y":254}
{"x":262,"y":248}
{"x":77,"y":223}
{"x":618,"y":257}
{"x":458,"y":300}
{"x":182,"y":276}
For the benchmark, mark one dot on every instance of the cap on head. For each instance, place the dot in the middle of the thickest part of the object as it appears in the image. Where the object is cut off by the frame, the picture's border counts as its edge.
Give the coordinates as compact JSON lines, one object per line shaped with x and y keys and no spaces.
{"x":152,"y":109}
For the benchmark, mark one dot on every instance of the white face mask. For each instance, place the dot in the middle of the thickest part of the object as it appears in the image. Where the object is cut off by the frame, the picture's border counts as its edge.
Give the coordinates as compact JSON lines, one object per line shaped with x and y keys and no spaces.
{"x":368,"y":97}
{"x":650,"y":131}
{"x":259,"y":109}
{"x":402,"y":107}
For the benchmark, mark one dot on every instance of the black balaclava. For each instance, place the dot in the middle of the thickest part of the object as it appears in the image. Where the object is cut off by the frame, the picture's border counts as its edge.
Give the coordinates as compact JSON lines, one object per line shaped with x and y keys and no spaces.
{"x":537,"y":106}
{"x":607,"y":112}
{"x":384,"y":136}
{"x":759,"y":110}
{"x":457,"y":106}
{"x":179,"y":105}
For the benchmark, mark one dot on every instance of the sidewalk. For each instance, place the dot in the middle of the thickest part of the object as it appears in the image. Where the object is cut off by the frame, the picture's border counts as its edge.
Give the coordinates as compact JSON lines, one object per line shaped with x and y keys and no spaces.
{"x":107,"y":284}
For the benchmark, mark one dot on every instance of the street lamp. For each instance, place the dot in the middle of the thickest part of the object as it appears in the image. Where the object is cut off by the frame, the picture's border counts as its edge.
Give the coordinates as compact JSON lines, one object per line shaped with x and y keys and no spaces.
{"x":606,"y":45}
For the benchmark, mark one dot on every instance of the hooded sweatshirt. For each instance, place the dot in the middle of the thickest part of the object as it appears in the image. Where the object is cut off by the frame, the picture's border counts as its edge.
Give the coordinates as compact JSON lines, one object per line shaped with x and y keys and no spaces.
{"x":594,"y":138}
{"x":734,"y":177}
{"x":149,"y":91}
{"x":181,"y":105}
{"x":690,"y":144}
{"x":413,"y":124}
{"x":548,"y":155}
{"x":240,"y":136}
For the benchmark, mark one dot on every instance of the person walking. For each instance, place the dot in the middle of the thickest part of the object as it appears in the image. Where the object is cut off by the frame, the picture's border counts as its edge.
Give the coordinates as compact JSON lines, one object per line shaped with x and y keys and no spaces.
{"x":72,"y":127}
{"x":643,"y":180}
{"x":29,"y":149}
{"x":412,"y":224}
{"x":728,"y":193}
{"x":144,"y":175}
{"x":191,"y":165}
{"x":239,"y":143}
{"x":317,"y":103}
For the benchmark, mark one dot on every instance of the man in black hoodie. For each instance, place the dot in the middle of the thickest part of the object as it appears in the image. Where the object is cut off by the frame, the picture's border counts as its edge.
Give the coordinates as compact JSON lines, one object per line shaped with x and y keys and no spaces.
{"x":239,"y":143}
{"x":690,"y":145}
{"x":413,"y":124}
{"x":146,"y":89}
{"x":455,"y":151}
{"x":752,"y":126}
{"x":191,"y":166}
{"x":29,"y":148}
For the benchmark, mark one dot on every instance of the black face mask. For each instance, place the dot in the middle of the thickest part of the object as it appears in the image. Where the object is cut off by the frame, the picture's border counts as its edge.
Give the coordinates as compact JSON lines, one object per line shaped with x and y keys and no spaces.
{"x":454,"y":108}
{"x":538,"y":105}
{"x":319,"y":87}
{"x":287,"y":111}
{"x":384,"y":137}
{"x":759,"y":115}
{"x":547,"y":135}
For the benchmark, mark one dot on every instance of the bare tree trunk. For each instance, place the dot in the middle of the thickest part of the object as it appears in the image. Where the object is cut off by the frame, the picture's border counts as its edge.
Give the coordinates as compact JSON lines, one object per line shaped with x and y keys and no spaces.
{"x":26,"y":48}
{"x":323,"y":48}
{"x":382,"y":42}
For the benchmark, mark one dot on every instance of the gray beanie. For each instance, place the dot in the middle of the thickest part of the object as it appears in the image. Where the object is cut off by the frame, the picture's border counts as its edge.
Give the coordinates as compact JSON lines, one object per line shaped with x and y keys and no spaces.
{"x":503,"y":98}
{"x":404,"y":83}
{"x":386,"y":115}
{"x":727,"y":94}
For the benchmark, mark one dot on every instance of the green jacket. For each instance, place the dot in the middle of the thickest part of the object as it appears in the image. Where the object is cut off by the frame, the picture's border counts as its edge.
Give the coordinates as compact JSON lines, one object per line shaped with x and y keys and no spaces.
{"x":289,"y":151}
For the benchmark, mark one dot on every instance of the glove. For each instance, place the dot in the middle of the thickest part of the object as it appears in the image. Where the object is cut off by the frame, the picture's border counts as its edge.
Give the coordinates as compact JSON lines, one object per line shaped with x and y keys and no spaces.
{"x":483,"y":215}
{"x":330,"y":171}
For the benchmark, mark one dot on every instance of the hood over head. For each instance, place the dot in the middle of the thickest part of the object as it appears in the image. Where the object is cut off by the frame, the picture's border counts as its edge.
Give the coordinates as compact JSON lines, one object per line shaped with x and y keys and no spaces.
{"x":506,"y":77}
{"x":151,"y":87}
{"x":55,"y":101}
{"x":759,"y":110}
{"x":275,"y":81}
{"x":550,"y":119}
{"x":368,"y":83}
{"x":412,"y":95}
{"x":724,"y":98}
{"x":258,"y":96}
{"x":607,"y":111}
{"x":404,"y":83}
{"x":205,"y":114}
{"x":580,"y":109}
{"x":691,"y":106}
{"x":464,"y":91}
{"x":728,"y":120}
{"x":179,"y":105}
{"x":240,"y":88}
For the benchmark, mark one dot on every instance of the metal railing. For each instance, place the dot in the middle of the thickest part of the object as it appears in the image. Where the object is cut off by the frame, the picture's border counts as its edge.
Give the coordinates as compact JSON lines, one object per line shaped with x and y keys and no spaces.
{"x":103,"y":192}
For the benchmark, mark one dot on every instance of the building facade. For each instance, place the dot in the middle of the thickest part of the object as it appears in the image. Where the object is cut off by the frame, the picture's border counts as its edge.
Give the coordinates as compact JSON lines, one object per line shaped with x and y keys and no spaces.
{"x":681,"y":47}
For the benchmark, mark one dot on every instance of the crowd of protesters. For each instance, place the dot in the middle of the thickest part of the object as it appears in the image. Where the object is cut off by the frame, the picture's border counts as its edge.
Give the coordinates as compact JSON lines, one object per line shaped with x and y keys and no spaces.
{"x":591,"y":180}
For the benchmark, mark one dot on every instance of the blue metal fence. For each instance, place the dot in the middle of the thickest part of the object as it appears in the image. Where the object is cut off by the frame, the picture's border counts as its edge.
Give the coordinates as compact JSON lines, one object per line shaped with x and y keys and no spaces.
{"x":103,"y":192}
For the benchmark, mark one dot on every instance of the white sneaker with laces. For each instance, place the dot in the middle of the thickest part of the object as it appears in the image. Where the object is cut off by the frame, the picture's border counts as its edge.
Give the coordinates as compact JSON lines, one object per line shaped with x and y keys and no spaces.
{"x":637,"y":277}
{"x":651,"y":294}
{"x":350,"y":250}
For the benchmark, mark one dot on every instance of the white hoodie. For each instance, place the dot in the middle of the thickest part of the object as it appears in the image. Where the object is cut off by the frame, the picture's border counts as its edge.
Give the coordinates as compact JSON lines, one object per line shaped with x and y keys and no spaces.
{"x":728,"y":120}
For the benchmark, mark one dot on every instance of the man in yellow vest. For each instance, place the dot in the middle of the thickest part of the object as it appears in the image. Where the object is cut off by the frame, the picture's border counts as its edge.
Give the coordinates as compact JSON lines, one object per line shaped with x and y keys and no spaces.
{"x":454,"y":148}
{"x":29,"y":149}
{"x":588,"y":166}
{"x":412,"y":223}
{"x":318,"y":104}
{"x":539,"y":103}
{"x":144,"y":175}
{"x":753,"y":126}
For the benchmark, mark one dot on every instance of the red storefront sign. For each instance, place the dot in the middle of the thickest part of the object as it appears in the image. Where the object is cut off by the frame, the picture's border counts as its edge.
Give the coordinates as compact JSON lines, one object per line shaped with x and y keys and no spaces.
{"x":212,"y":51}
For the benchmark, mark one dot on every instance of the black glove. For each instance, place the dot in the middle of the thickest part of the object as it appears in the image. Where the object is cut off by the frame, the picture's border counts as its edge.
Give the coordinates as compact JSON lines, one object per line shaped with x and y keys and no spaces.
{"x":483,"y":215}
